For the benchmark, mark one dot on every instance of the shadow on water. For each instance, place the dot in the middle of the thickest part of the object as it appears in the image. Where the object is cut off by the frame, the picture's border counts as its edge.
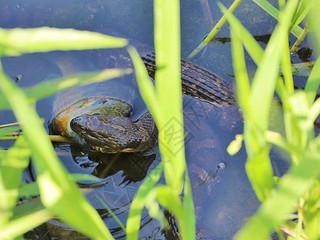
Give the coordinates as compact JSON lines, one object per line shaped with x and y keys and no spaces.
{"x":222,"y":193}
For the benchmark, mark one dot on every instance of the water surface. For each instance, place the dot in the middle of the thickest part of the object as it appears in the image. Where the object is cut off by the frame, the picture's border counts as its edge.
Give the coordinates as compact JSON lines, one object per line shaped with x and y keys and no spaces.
{"x":222,"y":193}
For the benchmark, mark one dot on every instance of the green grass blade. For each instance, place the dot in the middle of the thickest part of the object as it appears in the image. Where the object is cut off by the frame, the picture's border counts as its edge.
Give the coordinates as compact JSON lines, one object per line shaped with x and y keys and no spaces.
{"x":314,"y":27}
{"x":8,"y":130}
{"x":299,"y":40}
{"x":302,"y":69}
{"x":302,"y":11}
{"x":29,"y":190}
{"x":269,"y":66}
{"x":312,"y":212}
{"x":314,"y":112}
{"x":12,"y":165}
{"x":258,"y":165}
{"x":32,"y":189}
{"x":214,"y":31}
{"x":286,"y":69}
{"x":145,"y":84}
{"x":27,"y":207}
{"x":171,"y":201}
{"x":183,"y":212}
{"x":165,"y":104}
{"x":282,"y":202}
{"x":52,"y":86}
{"x":313,"y":82}
{"x":188,"y":211}
{"x":58,"y":192}
{"x":241,"y":74}
{"x":252,"y":46}
{"x":19,"y":41}
{"x":272,"y":11}
{"x":21,"y":225}
{"x":139,"y":201}
{"x":287,"y":92}
{"x":114,"y":216}
{"x":169,"y":90}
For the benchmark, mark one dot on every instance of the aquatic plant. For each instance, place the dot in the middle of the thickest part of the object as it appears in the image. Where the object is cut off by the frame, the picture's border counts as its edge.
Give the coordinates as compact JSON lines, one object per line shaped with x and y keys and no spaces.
{"x":288,"y":204}
{"x":59,"y":195}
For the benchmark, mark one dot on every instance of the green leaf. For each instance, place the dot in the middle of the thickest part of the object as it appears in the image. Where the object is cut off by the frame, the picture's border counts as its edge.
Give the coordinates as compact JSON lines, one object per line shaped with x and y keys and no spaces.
{"x":262,"y":91}
{"x":314,"y":27}
{"x":235,"y":146}
{"x":58,"y":192}
{"x":313,"y":82}
{"x":242,"y":34}
{"x":29,"y":190}
{"x":188,"y":212}
{"x":261,"y":98}
{"x":240,"y":69}
{"x":32,"y":189}
{"x":214,"y":31}
{"x":12,"y":165}
{"x":8,"y":130}
{"x":282,"y":202}
{"x":27,"y":207}
{"x":272,"y":11}
{"x":139,"y":202}
{"x":19,"y":41}
{"x":171,"y":201}
{"x":114,"y":216}
{"x":302,"y":11}
{"x":146,"y":87}
{"x":169,"y":90}
{"x":286,"y":69}
{"x":21,"y":225}
{"x":311,"y":209}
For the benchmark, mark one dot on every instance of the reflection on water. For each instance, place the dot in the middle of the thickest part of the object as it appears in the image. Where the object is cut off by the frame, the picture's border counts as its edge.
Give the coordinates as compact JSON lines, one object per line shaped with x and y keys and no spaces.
{"x":222,"y":193}
{"x":134,"y":166}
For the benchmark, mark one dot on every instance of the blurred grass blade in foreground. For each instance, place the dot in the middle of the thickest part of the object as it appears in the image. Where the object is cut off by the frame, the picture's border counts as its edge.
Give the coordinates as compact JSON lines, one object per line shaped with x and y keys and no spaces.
{"x":139,"y":202}
{"x":274,"y":12}
{"x":19,"y":41}
{"x":255,"y":101}
{"x":164,"y":101}
{"x":12,"y":164}
{"x":59,"y":194}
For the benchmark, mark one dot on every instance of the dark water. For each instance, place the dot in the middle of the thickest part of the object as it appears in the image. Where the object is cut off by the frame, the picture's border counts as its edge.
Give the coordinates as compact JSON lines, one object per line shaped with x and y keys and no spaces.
{"x":222,"y":193}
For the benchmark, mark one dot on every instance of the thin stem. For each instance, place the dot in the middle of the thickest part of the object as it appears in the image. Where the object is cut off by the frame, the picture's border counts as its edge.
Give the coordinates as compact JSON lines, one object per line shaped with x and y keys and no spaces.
{"x":299,"y":40}
{"x":211,"y":35}
{"x":9,"y":125}
{"x":53,"y":138}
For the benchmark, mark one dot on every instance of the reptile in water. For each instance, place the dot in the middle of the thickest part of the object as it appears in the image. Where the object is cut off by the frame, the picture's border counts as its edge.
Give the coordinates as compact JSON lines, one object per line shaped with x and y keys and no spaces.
{"x":103,"y":123}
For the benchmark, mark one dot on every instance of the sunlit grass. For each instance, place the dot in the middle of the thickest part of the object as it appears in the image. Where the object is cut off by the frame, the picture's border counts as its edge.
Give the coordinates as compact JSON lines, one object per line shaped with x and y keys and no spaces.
{"x":164,"y":100}
{"x":58,"y":192}
{"x":297,"y":190}
{"x":289,"y":204}
{"x":214,"y":31}
{"x":289,"y":194}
